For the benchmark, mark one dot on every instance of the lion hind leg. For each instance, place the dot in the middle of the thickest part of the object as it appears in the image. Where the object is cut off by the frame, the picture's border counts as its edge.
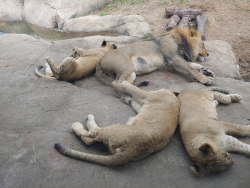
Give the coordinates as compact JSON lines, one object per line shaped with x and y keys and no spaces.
{"x":90,"y":123}
{"x":78,"y":129}
{"x":128,"y":88}
{"x":231,"y":128}
{"x":131,"y":78}
{"x":53,"y":66}
{"x":232,"y":144}
{"x":48,"y":71}
{"x":127,"y":99}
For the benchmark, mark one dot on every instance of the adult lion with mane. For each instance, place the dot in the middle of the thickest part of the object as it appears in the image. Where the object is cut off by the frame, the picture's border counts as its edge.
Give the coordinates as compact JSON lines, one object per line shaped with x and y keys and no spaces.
{"x":168,"y":50}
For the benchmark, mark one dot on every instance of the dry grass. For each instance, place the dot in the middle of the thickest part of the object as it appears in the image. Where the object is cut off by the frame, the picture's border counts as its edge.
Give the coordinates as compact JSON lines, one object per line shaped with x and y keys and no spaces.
{"x":228,"y":20}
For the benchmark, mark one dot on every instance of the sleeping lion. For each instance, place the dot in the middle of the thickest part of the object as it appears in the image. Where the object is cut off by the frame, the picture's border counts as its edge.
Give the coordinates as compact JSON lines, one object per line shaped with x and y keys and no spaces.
{"x":148,"y":132}
{"x":71,"y":69}
{"x":167,"y":51}
{"x":206,"y":139}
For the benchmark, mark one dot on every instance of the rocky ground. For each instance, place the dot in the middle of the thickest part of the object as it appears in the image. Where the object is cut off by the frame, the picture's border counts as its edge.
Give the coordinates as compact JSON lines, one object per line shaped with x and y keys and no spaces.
{"x":35,"y":113}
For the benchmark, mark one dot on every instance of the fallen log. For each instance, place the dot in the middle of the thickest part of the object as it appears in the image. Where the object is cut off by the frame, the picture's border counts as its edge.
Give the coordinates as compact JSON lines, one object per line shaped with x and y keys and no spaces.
{"x":173,"y":21}
{"x":191,"y":13}
{"x":185,"y":22}
{"x":201,"y":25}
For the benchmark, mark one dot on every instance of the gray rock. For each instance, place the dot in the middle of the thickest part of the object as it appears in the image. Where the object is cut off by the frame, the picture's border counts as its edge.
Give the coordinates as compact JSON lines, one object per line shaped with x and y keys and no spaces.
{"x":132,"y":25}
{"x":35,"y":113}
{"x":225,"y":63}
{"x":11,"y":10}
{"x":46,"y":13}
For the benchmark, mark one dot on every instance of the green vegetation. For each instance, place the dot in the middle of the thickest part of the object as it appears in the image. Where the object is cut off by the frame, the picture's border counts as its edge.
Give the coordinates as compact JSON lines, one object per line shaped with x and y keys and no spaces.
{"x":148,"y":36}
{"x":103,"y":14}
{"x":74,"y":16}
{"x":162,"y":4}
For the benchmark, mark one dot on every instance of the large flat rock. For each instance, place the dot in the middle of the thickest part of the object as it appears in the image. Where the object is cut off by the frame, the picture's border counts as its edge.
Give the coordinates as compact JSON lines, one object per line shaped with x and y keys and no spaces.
{"x":35,"y":113}
{"x":45,"y":13}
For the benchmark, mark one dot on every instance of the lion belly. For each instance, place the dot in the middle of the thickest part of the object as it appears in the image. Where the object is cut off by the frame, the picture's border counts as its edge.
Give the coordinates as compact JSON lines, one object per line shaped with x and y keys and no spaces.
{"x":147,"y":63}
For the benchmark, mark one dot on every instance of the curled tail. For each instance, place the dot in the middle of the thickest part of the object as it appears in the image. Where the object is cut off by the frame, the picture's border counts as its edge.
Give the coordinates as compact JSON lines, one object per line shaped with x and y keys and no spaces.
{"x":109,"y":160}
{"x":217,"y":89}
{"x":38,"y":74}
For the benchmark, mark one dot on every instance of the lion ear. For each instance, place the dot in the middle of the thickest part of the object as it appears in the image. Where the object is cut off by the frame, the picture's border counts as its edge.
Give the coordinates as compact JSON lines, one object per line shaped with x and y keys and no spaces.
{"x":104,"y":43}
{"x":176,"y":93}
{"x":206,"y":148}
{"x":114,"y":46}
{"x":194,"y":33}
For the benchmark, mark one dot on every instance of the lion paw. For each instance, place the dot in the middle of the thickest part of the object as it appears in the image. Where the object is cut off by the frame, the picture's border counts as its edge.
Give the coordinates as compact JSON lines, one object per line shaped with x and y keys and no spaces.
{"x":48,"y":59}
{"x":235,"y":97}
{"x":125,"y":98}
{"x":207,"y":80}
{"x":207,"y":72}
{"x":201,"y":59}
{"x":76,"y":127}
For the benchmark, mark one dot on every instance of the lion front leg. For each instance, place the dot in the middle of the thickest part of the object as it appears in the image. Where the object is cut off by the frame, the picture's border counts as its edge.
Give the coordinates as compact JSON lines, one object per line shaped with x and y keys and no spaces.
{"x":182,"y":66}
{"x":203,"y":70}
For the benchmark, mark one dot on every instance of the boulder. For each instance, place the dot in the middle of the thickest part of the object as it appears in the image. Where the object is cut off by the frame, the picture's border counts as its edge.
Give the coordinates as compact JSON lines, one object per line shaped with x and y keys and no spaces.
{"x":36,"y":112}
{"x":47,"y":13}
{"x":11,"y":10}
{"x":131,"y":25}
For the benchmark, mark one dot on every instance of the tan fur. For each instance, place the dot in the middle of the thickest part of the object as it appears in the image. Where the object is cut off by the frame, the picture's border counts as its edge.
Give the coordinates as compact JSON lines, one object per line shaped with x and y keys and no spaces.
{"x":148,"y":132}
{"x":72,"y":69}
{"x":205,"y":138}
{"x":165,"y":51}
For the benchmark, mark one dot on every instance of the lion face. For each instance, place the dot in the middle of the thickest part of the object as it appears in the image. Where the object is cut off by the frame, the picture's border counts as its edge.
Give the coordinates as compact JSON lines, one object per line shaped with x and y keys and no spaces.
{"x":199,"y":52}
{"x":211,"y":160}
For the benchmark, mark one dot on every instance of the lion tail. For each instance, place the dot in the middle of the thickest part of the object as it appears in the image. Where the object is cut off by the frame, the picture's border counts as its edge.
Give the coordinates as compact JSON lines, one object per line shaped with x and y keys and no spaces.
{"x":38,"y":74}
{"x":217,"y":89}
{"x":109,"y":160}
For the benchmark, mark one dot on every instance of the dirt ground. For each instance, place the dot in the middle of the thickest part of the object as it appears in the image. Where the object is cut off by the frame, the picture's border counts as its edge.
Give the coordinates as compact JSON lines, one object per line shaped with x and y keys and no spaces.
{"x":228,"y":20}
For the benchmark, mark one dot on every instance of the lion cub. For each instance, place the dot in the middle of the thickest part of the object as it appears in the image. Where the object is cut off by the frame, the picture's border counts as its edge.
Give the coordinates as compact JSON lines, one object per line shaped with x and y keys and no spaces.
{"x":71,"y":69}
{"x":148,"y":132}
{"x":205,"y":138}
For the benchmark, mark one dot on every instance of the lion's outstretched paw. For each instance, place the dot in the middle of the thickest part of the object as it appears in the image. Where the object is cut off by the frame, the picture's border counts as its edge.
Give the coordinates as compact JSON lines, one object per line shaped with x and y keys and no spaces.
{"x":77,"y":126}
{"x":90,"y":117}
{"x":48,"y":59}
{"x":235,"y":97}
{"x":201,"y":59}
{"x":207,"y":72}
{"x":207,"y":80}
{"x":125,"y":98}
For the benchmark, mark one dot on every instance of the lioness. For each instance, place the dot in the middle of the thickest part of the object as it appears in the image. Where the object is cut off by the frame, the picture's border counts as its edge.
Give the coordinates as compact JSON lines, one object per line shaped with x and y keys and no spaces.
{"x":148,"y":132}
{"x":168,"y":50}
{"x":71,"y":69}
{"x":205,"y":138}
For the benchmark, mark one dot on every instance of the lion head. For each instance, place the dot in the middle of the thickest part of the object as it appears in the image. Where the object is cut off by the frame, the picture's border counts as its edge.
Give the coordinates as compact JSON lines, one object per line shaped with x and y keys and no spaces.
{"x":211,"y":159}
{"x":190,"y":43}
{"x":199,"y":52}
